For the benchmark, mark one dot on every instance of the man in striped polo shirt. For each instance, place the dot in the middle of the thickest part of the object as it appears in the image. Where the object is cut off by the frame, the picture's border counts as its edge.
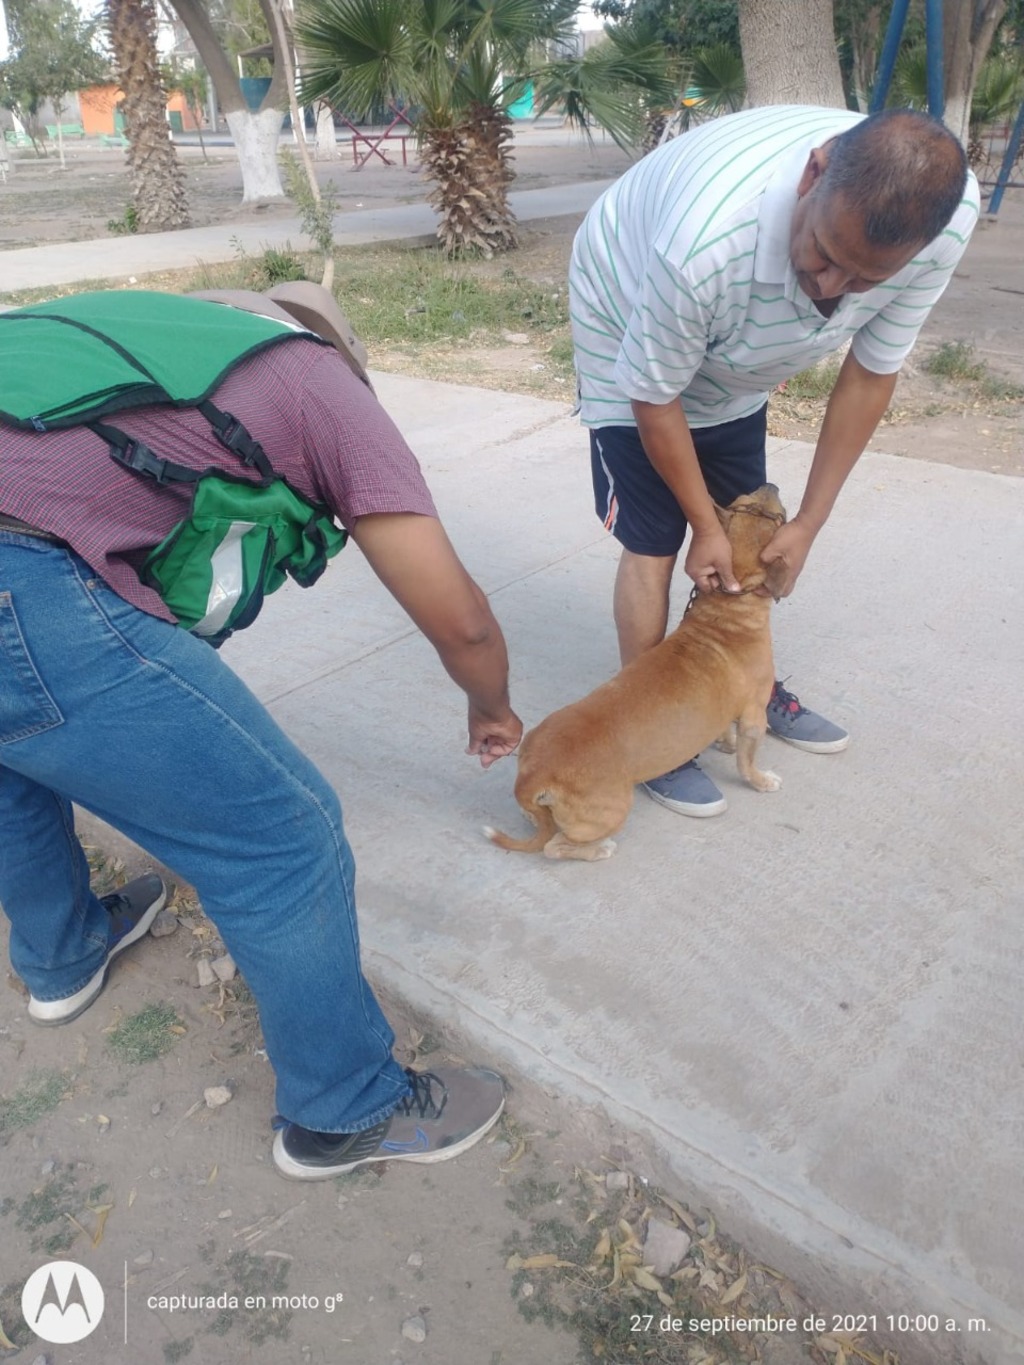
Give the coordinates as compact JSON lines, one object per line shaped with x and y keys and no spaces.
{"x":720,"y":265}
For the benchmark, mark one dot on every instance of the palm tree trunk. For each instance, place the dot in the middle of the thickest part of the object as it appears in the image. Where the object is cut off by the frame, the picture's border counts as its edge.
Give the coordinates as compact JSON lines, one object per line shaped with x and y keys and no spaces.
{"x":470,"y":165}
{"x":158,"y":182}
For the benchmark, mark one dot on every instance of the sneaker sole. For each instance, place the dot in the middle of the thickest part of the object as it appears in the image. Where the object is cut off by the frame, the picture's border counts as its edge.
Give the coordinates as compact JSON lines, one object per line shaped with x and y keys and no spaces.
{"x":295,"y":1170}
{"x":696,"y":811}
{"x":814,"y":746}
{"x":57,"y":1012}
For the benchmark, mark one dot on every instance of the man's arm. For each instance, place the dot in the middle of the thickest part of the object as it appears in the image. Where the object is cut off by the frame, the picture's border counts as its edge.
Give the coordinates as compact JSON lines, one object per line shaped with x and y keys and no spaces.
{"x":666,"y":438}
{"x":855,"y":407}
{"x":414,"y":559}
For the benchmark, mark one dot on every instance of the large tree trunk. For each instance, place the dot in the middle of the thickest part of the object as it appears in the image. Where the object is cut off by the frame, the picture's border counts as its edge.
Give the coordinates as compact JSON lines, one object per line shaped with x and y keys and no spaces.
{"x":158,"y":182}
{"x":255,"y":134}
{"x":255,"y":137}
{"x":967,"y":32}
{"x":789,"y":53}
{"x":865,"y":37}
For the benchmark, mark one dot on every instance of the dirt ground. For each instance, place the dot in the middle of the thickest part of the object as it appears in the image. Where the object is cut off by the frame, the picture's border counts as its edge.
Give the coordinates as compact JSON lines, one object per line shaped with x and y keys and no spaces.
{"x":525,"y":1251}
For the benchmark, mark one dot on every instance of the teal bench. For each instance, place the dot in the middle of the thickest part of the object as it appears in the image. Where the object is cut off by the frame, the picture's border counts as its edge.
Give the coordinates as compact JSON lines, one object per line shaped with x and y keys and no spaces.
{"x":113,"y":140}
{"x":66,"y":130}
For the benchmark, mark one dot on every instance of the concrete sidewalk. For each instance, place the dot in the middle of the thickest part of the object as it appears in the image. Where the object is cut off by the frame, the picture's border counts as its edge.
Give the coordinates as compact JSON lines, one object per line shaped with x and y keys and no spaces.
{"x":118,"y":258}
{"x":810,"y":1007}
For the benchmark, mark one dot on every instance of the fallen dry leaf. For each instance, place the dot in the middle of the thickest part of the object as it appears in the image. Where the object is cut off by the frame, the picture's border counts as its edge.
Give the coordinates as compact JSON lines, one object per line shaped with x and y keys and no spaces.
{"x":734,"y":1290}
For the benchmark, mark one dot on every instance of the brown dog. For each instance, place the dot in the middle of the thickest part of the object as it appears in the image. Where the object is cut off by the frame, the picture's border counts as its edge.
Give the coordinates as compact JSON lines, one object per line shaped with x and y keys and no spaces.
{"x":710,"y":679}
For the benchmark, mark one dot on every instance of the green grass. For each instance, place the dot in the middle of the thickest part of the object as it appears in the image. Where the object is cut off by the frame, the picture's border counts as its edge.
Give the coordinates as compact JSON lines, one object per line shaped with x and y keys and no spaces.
{"x":956,"y":360}
{"x":144,"y":1036}
{"x":41,"y":1093}
{"x":815,"y":383}
{"x":43,"y":1213}
{"x":403,"y":295}
{"x":393,"y":294}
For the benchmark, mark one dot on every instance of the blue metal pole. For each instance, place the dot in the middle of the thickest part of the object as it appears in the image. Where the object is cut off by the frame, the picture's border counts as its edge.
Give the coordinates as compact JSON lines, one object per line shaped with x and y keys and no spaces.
{"x":933,"y":58}
{"x":1009,"y":157}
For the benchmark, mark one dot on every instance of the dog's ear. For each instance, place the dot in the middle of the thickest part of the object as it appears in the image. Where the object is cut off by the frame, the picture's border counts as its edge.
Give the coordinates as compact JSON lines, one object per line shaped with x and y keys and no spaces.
{"x":723,"y":514}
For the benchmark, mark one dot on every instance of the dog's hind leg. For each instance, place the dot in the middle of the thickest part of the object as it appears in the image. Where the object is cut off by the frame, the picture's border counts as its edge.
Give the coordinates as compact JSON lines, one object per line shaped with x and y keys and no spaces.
{"x":750,"y":732}
{"x":541,"y":816}
{"x":562,"y":847}
{"x":726,"y":741}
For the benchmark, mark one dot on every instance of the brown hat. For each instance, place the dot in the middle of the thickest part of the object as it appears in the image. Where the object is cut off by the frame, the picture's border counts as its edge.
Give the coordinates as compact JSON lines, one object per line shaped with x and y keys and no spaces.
{"x":310,"y":305}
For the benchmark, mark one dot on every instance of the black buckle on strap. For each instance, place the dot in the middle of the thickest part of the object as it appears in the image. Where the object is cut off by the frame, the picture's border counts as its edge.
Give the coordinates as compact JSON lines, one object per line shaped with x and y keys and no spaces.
{"x":138,"y":457}
{"x":234,"y":437}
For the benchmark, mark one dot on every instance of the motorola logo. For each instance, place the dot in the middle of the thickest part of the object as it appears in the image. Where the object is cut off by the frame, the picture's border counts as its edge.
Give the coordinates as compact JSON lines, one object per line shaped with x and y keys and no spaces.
{"x":62,"y":1302}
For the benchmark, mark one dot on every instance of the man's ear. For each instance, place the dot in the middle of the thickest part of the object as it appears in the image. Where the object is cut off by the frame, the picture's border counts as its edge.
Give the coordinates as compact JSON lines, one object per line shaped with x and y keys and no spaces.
{"x":813,"y":171}
{"x":723,"y":514}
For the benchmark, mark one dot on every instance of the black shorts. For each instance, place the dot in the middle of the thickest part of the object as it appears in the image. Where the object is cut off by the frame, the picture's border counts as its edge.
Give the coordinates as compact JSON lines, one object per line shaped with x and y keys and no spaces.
{"x":638,"y":507}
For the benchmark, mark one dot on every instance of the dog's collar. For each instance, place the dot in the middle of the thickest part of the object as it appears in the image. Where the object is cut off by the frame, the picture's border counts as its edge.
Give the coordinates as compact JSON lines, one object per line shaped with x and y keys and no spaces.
{"x":779,"y":518}
{"x":743,"y":592}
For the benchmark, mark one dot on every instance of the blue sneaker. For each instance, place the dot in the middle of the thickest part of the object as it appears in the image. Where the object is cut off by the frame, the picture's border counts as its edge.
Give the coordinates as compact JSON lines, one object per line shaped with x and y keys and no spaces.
{"x":449,"y":1110}
{"x":805,"y":729}
{"x":687,"y":790}
{"x":132,"y":910}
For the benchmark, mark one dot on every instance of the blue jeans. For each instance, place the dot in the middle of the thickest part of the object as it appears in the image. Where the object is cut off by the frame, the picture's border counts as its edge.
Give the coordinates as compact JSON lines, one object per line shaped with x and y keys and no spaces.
{"x":144,"y":725}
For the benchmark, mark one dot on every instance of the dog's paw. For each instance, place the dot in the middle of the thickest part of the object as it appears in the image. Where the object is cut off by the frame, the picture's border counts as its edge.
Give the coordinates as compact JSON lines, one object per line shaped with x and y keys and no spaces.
{"x":767,"y":782}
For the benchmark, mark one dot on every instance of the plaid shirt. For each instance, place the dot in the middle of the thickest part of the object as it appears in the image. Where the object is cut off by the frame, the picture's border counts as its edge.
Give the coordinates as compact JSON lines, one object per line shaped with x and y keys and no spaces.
{"x":322,"y":430}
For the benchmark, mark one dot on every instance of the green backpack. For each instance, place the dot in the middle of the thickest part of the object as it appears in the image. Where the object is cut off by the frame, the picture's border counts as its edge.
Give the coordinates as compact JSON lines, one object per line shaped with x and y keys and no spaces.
{"x":77,"y":361}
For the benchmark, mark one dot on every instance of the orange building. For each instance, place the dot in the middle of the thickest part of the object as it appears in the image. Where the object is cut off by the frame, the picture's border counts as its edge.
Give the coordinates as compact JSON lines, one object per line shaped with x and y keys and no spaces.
{"x":100,"y":114}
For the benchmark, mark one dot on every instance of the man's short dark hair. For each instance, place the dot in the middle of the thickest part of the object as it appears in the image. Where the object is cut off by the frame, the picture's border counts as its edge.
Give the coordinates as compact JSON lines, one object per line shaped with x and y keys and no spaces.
{"x":904,"y":172}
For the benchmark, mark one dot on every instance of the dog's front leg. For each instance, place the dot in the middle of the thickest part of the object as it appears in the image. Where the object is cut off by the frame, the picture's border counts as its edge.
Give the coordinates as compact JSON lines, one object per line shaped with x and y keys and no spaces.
{"x":750,"y":732}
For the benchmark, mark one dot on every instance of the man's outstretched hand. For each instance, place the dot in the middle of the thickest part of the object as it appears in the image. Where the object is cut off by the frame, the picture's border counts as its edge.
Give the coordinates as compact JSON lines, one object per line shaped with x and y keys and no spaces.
{"x":492,"y":739}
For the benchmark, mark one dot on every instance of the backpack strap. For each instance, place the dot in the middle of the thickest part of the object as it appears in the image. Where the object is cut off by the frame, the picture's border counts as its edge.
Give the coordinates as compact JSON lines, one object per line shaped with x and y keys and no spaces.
{"x":140,"y":459}
{"x":234,"y":437}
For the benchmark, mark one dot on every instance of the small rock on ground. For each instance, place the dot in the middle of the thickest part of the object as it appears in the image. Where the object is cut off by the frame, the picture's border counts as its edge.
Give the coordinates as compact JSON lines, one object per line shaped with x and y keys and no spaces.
{"x":415,"y":1328}
{"x":164,"y":924}
{"x":224,"y":968}
{"x":665,"y":1247}
{"x":216,"y":1095}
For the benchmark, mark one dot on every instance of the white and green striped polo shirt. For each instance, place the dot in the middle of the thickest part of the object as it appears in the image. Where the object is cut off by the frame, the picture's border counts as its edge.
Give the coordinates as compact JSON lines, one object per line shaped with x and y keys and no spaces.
{"x":681,"y":281}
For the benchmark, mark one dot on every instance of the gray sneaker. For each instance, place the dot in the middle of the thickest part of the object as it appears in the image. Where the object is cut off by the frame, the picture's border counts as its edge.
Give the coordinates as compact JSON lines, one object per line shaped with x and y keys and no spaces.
{"x":805,"y":729}
{"x":448,"y":1111}
{"x":687,"y":790}
{"x":132,"y":910}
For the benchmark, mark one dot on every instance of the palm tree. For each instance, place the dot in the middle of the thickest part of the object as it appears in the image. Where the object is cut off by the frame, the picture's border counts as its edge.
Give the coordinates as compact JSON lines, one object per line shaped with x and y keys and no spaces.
{"x":461,"y":64}
{"x":996,"y":96}
{"x":158,"y":183}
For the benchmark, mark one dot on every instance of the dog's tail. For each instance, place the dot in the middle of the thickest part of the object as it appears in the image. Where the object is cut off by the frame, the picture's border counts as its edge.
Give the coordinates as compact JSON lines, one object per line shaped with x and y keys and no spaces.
{"x":546,"y":829}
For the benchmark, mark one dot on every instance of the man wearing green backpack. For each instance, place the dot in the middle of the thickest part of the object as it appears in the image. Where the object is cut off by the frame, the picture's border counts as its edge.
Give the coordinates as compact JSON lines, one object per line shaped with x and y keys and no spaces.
{"x":107,"y":702}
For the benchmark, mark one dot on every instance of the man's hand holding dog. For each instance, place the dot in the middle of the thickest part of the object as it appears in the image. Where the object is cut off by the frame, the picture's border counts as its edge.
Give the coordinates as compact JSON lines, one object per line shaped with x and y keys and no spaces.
{"x":709,"y":561}
{"x":785,"y":556}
